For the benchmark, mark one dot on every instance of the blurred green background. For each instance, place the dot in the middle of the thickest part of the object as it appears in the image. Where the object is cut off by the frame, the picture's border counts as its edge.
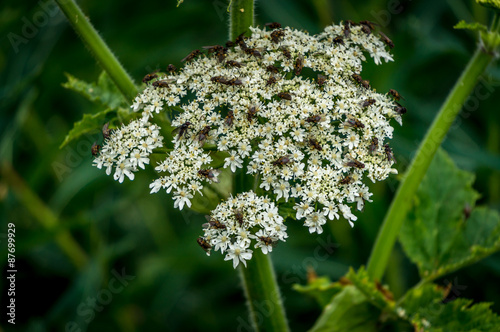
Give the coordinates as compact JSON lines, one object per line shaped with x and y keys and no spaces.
{"x":55,"y":196}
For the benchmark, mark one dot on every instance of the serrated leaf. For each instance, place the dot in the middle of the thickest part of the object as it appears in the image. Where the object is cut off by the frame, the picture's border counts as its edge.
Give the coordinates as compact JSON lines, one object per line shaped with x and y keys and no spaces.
{"x":376,"y":294}
{"x":103,"y":92}
{"x":322,"y":289}
{"x":424,"y":307}
{"x":436,"y":235}
{"x":348,"y":311}
{"x":89,"y":123}
{"x":471,"y":26}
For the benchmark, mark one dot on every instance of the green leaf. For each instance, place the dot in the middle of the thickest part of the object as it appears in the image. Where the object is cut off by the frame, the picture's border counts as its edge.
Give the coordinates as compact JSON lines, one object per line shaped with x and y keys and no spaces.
{"x":89,"y":123}
{"x":322,"y":289}
{"x":375,"y":293}
{"x":471,"y":26}
{"x":437,"y":236}
{"x":103,"y":92}
{"x":493,"y":4}
{"x":348,"y":311}
{"x":423,"y":306}
{"x":286,"y":210}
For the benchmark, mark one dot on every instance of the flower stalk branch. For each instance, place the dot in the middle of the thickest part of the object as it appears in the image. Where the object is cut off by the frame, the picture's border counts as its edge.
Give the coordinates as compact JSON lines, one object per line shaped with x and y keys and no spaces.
{"x":98,"y":48}
{"x":401,"y":204}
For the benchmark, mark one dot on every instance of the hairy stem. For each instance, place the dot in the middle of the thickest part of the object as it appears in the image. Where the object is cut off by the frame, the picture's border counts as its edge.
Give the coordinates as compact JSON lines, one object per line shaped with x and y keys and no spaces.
{"x":98,"y":48}
{"x":402,"y":201}
{"x":263,"y":294}
{"x":242,"y":17}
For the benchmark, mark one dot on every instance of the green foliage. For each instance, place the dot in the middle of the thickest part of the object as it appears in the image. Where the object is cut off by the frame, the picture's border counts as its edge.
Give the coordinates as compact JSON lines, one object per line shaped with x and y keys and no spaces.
{"x":89,"y":123}
{"x":425,"y":308}
{"x":104,"y":91}
{"x":376,"y":294}
{"x":438,"y":236}
{"x":349,"y":310}
{"x":322,"y":289}
{"x":471,"y":26}
{"x":493,"y":4}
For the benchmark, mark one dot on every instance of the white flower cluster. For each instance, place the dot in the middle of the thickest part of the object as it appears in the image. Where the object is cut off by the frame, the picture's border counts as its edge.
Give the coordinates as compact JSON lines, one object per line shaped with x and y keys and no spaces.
{"x":236,"y":222}
{"x":291,"y":108}
{"x":128,"y":148}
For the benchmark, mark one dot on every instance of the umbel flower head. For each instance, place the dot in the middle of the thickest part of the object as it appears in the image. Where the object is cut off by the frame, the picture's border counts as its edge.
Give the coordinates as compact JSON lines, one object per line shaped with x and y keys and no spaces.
{"x":290,"y":109}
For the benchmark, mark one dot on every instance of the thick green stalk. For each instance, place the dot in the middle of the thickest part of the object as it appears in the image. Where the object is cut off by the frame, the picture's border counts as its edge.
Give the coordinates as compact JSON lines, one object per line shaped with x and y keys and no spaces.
{"x":242,"y":17}
{"x":98,"y":48}
{"x":258,"y":278}
{"x":416,"y":171}
{"x":263,"y":294}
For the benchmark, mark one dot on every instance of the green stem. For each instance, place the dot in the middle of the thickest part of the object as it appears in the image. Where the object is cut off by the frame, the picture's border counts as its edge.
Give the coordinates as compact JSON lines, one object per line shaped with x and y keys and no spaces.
{"x":98,"y":48}
{"x":241,"y":17}
{"x":258,"y":278}
{"x":416,"y":171}
{"x":263,"y":295}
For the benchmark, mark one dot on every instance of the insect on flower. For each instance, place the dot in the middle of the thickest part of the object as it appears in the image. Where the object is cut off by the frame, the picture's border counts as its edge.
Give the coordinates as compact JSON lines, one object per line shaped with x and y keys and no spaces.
{"x":346,"y":180}
{"x":315,"y":144}
{"x":238,"y":215}
{"x":273,"y":25}
{"x":299,"y":64}
{"x":373,"y":145}
{"x":150,"y":77}
{"x":213,"y":223}
{"x":338,"y":40}
{"x":234,"y":63}
{"x":347,"y":28}
{"x":251,"y":114}
{"x":106,"y":131}
{"x":95,"y":149}
{"x":317,"y":118}
{"x":354,"y":163}
{"x":281,"y":161}
{"x":285,"y":95}
{"x":321,"y":80}
{"x":229,"y":120}
{"x":271,"y":80}
{"x":272,"y":69}
{"x":191,"y":56}
{"x":276,"y":36}
{"x":400,"y":109}
{"x":181,"y":130}
{"x":210,"y":174}
{"x":388,"y":153}
{"x":386,"y":39}
{"x":171,"y":68}
{"x":353,"y":123}
{"x":395,"y":94}
{"x":368,"y":102}
{"x":286,"y":52}
{"x":367,"y":26}
{"x":162,"y":83}
{"x":204,"y":245}
{"x":268,"y":241}
{"x":203,"y":135}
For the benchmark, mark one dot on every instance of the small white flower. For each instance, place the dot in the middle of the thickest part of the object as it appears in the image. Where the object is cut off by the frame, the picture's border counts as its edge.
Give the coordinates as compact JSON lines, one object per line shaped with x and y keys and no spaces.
{"x":238,"y":254}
